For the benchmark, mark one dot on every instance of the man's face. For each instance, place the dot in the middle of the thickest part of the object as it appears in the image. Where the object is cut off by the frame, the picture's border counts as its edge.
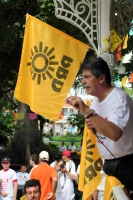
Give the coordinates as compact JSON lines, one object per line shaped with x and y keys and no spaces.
{"x":32,"y":193}
{"x":31,"y":162}
{"x":91,"y":83}
{"x":64,"y":157}
{"x":5,"y":165}
{"x":23,"y":169}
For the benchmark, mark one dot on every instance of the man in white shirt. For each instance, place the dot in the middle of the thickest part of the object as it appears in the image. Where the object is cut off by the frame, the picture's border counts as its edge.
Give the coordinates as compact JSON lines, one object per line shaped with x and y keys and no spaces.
{"x":66,"y":176}
{"x":111,"y":119}
{"x":80,"y":147}
{"x":72,"y":148}
{"x":62,"y":147}
{"x":8,"y":181}
{"x":69,"y":163}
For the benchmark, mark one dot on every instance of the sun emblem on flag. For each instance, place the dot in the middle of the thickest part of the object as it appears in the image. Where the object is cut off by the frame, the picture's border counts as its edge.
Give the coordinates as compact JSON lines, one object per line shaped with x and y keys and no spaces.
{"x":42,"y":63}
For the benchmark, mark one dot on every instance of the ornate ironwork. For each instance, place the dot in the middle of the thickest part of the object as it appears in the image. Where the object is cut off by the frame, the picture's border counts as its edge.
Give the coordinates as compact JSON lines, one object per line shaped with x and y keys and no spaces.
{"x":84,"y":15}
{"x":123,"y":16}
{"x":81,"y":14}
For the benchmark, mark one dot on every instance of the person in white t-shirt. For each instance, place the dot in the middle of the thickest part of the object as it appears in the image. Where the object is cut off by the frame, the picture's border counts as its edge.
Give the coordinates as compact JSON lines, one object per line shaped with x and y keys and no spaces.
{"x":22,"y":177}
{"x":8,"y":181}
{"x":62,"y":147}
{"x":65,"y":186}
{"x":111,"y":119}
{"x":72,"y":148}
{"x":56,"y":157}
{"x":80,"y":147}
{"x":66,"y":157}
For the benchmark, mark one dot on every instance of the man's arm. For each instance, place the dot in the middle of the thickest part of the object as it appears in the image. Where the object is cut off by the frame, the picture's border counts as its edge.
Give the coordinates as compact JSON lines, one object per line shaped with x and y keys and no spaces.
{"x":15,"y":187}
{"x":71,"y":175}
{"x":54,"y":185}
{"x":106,"y":128}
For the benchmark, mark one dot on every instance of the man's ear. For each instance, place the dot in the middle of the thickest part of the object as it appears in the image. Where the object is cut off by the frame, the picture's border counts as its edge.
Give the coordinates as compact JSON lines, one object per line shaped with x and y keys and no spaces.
{"x":102,"y":78}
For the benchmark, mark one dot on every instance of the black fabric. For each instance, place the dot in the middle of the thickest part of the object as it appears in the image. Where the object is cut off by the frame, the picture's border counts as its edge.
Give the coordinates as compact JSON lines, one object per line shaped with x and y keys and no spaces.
{"x":121,"y":168}
{"x":78,"y":193}
{"x":19,"y":194}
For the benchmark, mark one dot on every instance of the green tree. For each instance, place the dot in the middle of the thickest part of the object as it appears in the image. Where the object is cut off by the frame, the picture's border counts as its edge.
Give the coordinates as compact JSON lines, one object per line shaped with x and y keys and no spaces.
{"x":77,"y":120}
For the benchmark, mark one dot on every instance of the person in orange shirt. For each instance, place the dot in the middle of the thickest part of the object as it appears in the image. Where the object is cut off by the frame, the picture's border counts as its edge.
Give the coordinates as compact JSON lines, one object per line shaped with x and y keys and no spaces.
{"x":46,"y":175}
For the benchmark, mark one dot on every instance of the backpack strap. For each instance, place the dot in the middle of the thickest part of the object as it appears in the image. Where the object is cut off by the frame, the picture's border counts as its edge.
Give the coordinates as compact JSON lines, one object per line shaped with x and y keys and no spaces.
{"x":70,"y":165}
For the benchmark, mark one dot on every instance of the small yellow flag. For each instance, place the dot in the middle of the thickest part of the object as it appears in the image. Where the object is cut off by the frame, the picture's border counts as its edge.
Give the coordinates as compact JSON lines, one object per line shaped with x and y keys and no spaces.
{"x":49,"y":64}
{"x":90,"y":165}
{"x":115,"y":41}
{"x":123,"y":81}
{"x":125,"y":41}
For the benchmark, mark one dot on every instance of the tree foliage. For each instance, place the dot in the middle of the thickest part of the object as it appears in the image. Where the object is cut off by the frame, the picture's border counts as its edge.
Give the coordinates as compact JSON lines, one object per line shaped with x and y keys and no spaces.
{"x":77,"y":120}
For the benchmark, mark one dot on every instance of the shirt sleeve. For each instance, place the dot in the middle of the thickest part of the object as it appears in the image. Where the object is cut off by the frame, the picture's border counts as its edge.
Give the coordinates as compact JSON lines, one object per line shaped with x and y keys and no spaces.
{"x":14,"y":175}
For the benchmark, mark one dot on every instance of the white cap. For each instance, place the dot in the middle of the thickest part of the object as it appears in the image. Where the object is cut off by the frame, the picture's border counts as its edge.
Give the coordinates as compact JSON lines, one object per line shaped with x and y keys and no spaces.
{"x":44,"y":155}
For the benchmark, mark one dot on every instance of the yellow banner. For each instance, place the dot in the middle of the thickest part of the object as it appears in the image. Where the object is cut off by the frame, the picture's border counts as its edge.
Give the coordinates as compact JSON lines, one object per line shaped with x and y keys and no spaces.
{"x":90,"y":165}
{"x":49,"y":64}
{"x":111,"y":182}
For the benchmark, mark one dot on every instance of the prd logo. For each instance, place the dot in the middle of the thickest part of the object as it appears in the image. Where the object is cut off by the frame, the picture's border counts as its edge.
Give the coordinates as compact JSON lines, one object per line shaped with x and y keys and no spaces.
{"x":42,"y":63}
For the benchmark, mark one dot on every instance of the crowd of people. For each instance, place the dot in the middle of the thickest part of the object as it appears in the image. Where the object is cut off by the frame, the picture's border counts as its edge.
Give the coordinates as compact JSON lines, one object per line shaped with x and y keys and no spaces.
{"x":44,"y":181}
{"x":72,"y":148}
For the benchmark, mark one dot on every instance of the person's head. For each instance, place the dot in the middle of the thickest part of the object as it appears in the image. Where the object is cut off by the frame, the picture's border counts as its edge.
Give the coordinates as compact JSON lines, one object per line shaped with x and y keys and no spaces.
{"x":63,"y":143}
{"x":44,"y":156}
{"x":61,"y":163}
{"x":57,"y":156}
{"x":32,"y":190}
{"x":66,"y":155}
{"x":72,"y":143}
{"x":95,"y":72}
{"x":23,"y":168}
{"x":5,"y":162}
{"x":34,"y":159}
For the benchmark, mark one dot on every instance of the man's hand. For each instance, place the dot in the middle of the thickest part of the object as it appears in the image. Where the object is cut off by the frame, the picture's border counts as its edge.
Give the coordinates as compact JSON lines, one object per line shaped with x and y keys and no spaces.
{"x":95,"y":195}
{"x":78,"y":104}
{"x":89,"y":124}
{"x":64,"y":169}
{"x":4,"y":194}
{"x":50,"y":195}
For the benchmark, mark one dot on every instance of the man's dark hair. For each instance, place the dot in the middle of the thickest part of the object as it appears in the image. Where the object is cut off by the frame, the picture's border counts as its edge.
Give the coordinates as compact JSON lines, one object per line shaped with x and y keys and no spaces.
{"x":32,"y":183}
{"x":64,"y":162}
{"x":35,"y":158}
{"x":98,"y":67}
{"x":57,"y":156}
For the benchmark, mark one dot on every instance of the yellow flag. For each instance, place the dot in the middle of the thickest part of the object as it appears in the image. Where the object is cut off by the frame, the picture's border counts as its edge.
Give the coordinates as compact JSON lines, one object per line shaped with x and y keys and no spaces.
{"x":115,"y":40}
{"x":123,"y":81}
{"x":125,"y":41}
{"x":90,"y":165}
{"x":49,"y":64}
{"x":111,"y":182}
